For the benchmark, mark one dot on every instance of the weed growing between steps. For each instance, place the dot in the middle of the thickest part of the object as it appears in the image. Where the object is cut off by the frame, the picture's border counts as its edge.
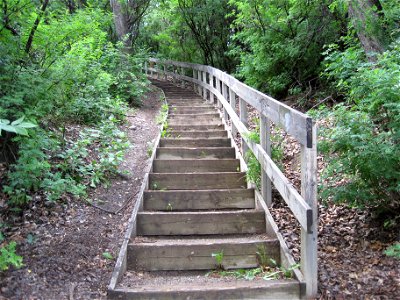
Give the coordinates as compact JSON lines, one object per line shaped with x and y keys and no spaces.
{"x":268,"y":268}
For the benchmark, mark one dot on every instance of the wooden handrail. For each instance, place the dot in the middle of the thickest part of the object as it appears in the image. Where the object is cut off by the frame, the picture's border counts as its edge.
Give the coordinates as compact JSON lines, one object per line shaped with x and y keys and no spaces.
{"x":212,"y":84}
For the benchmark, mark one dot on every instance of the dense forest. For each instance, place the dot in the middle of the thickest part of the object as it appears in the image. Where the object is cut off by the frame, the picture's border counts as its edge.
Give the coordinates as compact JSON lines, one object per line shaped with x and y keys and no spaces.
{"x":70,"y":68}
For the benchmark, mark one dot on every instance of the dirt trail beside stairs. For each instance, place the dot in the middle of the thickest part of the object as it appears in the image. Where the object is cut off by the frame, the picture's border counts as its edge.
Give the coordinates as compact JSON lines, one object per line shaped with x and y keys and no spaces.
{"x":64,"y":258}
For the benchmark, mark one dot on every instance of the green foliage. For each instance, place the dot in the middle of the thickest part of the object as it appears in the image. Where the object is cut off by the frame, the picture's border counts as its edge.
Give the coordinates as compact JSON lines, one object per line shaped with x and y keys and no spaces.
{"x":363,"y":141}
{"x":393,"y":251}
{"x":218,"y":256}
{"x":71,"y":170}
{"x":72,"y":74}
{"x":279,"y":43}
{"x":190,"y":30}
{"x":8,"y":257}
{"x":17,"y":126}
{"x":108,"y":255}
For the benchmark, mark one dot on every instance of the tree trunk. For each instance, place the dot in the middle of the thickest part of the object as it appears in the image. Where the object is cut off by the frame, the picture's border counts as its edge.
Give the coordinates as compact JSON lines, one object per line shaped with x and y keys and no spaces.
{"x":28,"y":45}
{"x":121,"y":22}
{"x":364,"y":17}
{"x":127,"y":18}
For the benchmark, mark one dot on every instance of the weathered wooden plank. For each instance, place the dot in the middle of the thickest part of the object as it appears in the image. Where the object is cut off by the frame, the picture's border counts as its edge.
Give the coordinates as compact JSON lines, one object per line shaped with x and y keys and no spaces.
{"x":188,"y":142}
{"x":214,"y":122}
{"x":191,"y":109}
{"x":256,"y":289}
{"x":198,"y":153}
{"x":200,"y":181}
{"x":200,"y":223}
{"x":265,"y":141}
{"x":196,"y":254}
{"x":309,"y":244}
{"x":193,"y":127}
{"x":195,"y":165}
{"x":194,"y":117}
{"x":197,"y":134}
{"x":198,"y":199}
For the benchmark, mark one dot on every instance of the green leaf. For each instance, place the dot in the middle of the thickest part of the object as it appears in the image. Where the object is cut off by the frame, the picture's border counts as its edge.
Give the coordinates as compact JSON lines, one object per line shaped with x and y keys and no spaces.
{"x":21,"y":131}
{"x":19,"y":121}
{"x":27,"y":125}
{"x":4,"y":121}
{"x":108,"y":255}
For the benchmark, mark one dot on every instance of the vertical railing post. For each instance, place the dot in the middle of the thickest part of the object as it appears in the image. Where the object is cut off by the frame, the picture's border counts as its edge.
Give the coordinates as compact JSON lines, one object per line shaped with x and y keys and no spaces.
{"x":158,"y":70}
{"x":182,"y":80}
{"x":225,"y":94}
{"x":165,"y":72}
{"x":213,"y":81}
{"x":194,"y":77}
{"x":243,"y":119}
{"x":173,"y":74}
{"x":218,"y":83}
{"x":199,"y":89}
{"x":265,"y":141}
{"x":204,"y":77}
{"x":145,"y":67}
{"x":232,"y":101}
{"x":309,"y":247}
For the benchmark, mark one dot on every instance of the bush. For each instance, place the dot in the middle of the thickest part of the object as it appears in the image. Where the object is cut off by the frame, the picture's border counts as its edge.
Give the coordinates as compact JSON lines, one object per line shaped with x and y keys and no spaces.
{"x":8,"y":257}
{"x":363,"y":143}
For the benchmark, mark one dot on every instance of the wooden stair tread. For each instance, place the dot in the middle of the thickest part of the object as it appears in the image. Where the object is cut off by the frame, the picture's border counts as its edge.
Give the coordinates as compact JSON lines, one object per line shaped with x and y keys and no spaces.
{"x":196,"y":285}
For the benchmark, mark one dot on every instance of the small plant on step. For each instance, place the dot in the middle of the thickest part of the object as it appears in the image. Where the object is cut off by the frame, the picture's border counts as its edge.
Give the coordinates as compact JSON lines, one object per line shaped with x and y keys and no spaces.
{"x":218,"y":256}
{"x":169,"y":206}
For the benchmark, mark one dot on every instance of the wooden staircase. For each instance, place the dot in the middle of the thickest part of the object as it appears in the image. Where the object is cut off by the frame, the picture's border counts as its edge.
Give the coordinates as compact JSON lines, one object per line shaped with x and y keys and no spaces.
{"x":197,"y":203}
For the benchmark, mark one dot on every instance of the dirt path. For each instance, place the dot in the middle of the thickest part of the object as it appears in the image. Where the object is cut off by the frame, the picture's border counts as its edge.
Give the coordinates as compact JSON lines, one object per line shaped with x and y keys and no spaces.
{"x":63,"y":244}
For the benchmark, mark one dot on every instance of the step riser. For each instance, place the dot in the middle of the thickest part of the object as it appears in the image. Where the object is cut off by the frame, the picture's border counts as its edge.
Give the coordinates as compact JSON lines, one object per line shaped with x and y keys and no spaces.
{"x":196,"y":122}
{"x":215,"y":223}
{"x":191,"y":110}
{"x":203,"y":181}
{"x":185,"y":103}
{"x":205,"y":153}
{"x":195,"y":166}
{"x":147,"y":257}
{"x":197,"y":134}
{"x":286,"y":291}
{"x":181,"y":142}
{"x":186,"y":127}
{"x":199,"y":200}
{"x":201,"y":116}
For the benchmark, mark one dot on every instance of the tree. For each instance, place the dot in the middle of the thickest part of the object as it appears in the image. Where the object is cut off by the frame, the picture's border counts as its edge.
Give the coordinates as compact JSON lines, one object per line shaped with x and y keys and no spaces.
{"x":127,"y":17}
{"x":365,"y":17}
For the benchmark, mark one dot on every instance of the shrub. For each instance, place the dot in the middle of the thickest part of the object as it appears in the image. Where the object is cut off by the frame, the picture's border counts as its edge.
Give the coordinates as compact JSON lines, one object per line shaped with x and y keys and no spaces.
{"x":363,"y":143}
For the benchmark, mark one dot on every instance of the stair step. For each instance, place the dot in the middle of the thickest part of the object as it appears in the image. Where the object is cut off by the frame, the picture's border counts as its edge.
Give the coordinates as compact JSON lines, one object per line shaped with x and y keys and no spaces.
{"x":188,"y":122}
{"x":196,"y":116}
{"x":191,"y":127}
{"x":197,"y":134}
{"x":169,"y":254}
{"x":198,"y":199}
{"x":195,"y":165}
{"x":199,"y":181}
{"x":200,"y":223}
{"x":197,"y":153}
{"x":191,"y":109}
{"x":196,"y":285}
{"x":190,"y":142}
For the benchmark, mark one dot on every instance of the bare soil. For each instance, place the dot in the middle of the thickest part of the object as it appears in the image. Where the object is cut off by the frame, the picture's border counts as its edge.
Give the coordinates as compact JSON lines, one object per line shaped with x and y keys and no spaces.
{"x":63,"y":243}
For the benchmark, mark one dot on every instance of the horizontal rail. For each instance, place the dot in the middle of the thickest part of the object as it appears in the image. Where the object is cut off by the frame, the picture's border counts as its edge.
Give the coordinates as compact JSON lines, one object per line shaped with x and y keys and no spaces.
{"x":292,"y":121}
